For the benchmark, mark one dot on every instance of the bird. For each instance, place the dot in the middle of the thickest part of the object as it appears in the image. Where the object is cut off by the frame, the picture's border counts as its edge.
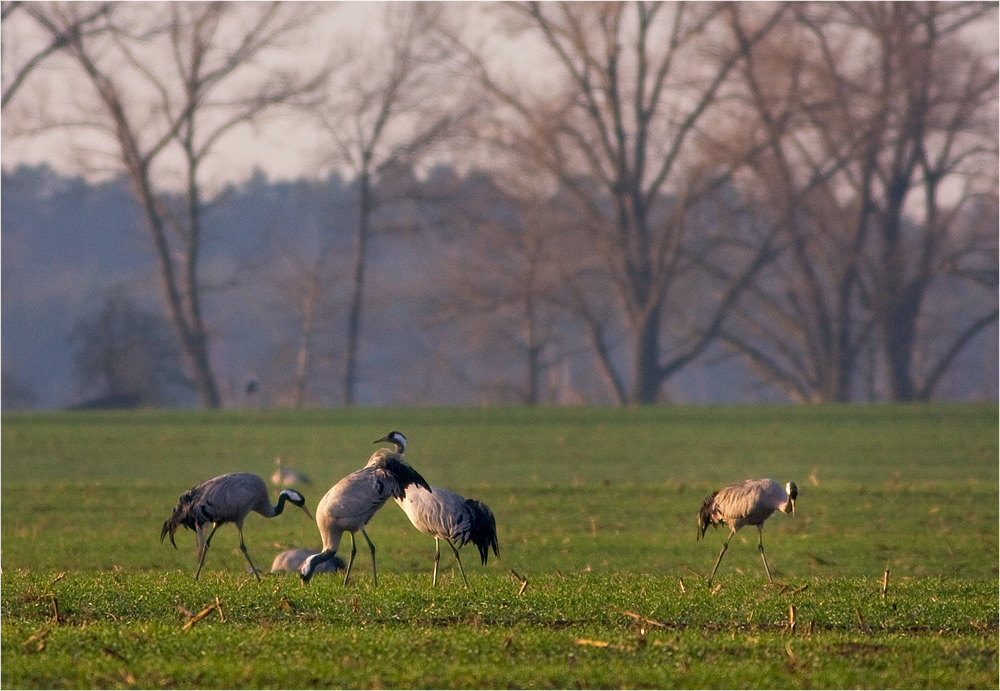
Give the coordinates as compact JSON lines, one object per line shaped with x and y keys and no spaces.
{"x":287,"y":476}
{"x":351,"y":503}
{"x":443,"y":514}
{"x":290,"y":561}
{"x":226,"y":499}
{"x":750,"y":502}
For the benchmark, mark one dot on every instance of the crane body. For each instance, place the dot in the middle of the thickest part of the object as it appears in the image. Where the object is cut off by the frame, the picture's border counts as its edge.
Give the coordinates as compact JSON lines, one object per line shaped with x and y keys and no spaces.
{"x":445,"y":515}
{"x":285,"y":477}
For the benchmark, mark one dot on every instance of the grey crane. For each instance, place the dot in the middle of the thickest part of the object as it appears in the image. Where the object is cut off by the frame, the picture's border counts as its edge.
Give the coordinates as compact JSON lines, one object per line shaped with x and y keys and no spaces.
{"x":286,"y":477}
{"x":351,"y":503}
{"x":291,"y":560}
{"x":443,"y":514}
{"x":750,"y":502}
{"x":226,"y":499}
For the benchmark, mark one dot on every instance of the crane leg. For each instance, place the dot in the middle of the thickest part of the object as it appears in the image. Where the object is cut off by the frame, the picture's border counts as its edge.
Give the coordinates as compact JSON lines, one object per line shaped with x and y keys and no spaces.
{"x":243,"y":548}
{"x":718,"y":561}
{"x":760,"y":546}
{"x":437,"y":559}
{"x":372,"y":548}
{"x":350,"y":562}
{"x":460,"y":567}
{"x":204,"y":551}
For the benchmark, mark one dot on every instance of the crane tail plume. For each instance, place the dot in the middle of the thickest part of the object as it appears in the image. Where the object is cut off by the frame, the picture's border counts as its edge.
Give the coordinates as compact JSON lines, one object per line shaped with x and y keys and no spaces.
{"x":484,"y":529}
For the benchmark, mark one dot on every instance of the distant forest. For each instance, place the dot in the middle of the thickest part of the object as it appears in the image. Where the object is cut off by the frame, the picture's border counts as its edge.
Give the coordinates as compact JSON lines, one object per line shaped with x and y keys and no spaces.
{"x":471,"y":298}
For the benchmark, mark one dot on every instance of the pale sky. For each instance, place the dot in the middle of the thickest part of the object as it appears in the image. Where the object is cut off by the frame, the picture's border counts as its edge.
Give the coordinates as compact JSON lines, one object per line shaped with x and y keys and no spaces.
{"x":269,"y":146}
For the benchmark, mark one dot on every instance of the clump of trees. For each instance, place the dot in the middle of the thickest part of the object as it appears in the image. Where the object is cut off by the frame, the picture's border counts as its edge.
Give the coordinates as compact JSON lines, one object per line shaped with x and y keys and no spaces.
{"x":808,"y":187}
{"x":126,"y":357}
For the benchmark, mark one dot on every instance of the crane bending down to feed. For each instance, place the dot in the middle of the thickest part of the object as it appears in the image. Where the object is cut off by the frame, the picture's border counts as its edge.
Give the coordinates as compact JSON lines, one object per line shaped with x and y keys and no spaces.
{"x":351,"y":503}
{"x":291,"y":560}
{"x":226,"y":499}
{"x":748,"y":503}
{"x":286,"y":476}
{"x":443,"y":514}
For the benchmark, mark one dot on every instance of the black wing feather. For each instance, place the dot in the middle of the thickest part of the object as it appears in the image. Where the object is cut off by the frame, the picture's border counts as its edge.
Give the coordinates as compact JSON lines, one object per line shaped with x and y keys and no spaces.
{"x":405,"y":476}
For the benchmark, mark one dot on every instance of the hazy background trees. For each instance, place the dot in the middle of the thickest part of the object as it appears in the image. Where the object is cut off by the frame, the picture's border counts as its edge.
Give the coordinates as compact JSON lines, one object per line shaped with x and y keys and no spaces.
{"x":614,"y":126}
{"x":875,"y":134}
{"x":126,"y":357}
{"x":387,"y":107}
{"x":167,"y":84}
{"x":535,"y":202}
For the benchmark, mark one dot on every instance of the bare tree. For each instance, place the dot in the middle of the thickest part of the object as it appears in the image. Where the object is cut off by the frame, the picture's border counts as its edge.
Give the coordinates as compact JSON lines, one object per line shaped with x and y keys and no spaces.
{"x":874,"y":127}
{"x":307,"y":287}
{"x":614,"y":133}
{"x":384,"y":112}
{"x":496,"y":284}
{"x":942,"y":92}
{"x":171,"y":81}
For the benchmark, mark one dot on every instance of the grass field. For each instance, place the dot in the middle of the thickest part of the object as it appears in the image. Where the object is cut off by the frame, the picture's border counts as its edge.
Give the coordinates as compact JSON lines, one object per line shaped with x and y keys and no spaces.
{"x":595,"y":507}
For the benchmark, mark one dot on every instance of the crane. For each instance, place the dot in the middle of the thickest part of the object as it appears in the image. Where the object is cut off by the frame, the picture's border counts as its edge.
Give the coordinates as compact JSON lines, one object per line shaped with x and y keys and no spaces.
{"x":351,"y":503}
{"x":226,"y":499}
{"x":290,"y":561}
{"x":286,"y":476}
{"x":443,"y":514}
{"x":750,"y":502}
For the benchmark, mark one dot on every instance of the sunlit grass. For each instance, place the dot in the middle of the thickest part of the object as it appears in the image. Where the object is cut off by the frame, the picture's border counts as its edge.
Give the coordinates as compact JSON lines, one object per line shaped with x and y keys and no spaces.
{"x":595,"y":507}
{"x":619,"y":630}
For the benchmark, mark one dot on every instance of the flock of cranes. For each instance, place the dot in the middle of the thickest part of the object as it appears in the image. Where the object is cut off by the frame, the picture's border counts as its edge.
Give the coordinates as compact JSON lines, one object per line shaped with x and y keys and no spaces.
{"x":350,"y":504}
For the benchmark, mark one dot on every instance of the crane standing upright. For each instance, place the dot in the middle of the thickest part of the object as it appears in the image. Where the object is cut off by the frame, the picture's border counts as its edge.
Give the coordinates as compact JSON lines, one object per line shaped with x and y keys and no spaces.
{"x":226,"y":499}
{"x":443,"y":514}
{"x":351,"y":503}
{"x":750,"y":502}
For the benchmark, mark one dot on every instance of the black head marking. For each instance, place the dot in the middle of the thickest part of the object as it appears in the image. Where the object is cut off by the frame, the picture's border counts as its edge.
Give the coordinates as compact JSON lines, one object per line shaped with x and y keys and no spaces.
{"x":394,"y":437}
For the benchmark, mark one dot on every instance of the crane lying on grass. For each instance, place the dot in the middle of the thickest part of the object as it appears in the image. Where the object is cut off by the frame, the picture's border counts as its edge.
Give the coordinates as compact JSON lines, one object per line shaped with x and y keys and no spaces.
{"x":351,"y":503}
{"x":286,"y":477}
{"x":748,"y":503}
{"x":291,"y":560}
{"x":226,"y":499}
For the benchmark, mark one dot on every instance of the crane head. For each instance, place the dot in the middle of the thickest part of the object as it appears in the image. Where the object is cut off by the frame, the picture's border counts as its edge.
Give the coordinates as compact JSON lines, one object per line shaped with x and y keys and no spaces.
{"x":793,"y":493}
{"x":395,"y":438}
{"x":294,"y":497}
{"x":705,"y":516}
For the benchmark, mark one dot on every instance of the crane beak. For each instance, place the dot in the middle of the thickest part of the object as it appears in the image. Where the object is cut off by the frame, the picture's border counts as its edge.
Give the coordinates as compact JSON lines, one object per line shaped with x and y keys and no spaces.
{"x":386,"y":438}
{"x":792,"y":502}
{"x":307,"y":511}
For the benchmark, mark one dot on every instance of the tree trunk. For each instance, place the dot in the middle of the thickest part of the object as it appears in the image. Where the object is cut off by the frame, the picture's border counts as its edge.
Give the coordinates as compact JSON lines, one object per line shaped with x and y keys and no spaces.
{"x":365,"y":208}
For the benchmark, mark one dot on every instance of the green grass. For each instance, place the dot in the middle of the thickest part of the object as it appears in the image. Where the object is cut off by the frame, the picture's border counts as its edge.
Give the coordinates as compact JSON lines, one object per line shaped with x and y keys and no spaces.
{"x":597,"y":507}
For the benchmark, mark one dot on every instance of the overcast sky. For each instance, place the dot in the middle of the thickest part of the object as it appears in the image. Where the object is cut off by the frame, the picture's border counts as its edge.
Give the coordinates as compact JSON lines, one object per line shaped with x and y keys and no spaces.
{"x":269,"y":147}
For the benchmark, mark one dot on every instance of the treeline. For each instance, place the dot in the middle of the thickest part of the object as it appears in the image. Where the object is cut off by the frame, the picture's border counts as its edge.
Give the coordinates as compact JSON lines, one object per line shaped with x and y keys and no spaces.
{"x":799,"y":198}
{"x":82,"y":323}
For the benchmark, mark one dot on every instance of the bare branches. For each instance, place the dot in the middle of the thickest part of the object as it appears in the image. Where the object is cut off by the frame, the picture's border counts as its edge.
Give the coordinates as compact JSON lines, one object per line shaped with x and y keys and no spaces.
{"x":89,"y":23}
{"x":158,"y":110}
